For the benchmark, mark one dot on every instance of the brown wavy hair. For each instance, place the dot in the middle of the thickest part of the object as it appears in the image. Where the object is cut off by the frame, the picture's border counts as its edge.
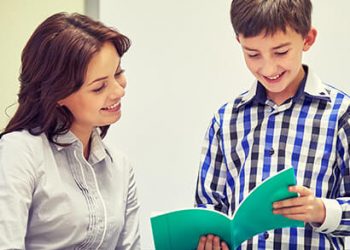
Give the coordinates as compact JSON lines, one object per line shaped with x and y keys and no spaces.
{"x":54,"y":65}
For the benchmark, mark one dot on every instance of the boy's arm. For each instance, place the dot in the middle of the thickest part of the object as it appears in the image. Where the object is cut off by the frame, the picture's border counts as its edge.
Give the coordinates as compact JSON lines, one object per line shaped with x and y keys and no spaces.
{"x":326,"y":215}
{"x":342,"y":203}
{"x":211,"y":182}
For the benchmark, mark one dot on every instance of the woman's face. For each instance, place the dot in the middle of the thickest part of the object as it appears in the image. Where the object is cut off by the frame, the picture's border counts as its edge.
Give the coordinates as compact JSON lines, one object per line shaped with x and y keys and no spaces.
{"x":98,"y":101}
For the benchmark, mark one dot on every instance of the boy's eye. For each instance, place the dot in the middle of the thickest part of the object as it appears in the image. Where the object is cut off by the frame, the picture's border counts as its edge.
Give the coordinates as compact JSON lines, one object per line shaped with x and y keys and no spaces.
{"x":281,"y":53}
{"x":253,"y":55}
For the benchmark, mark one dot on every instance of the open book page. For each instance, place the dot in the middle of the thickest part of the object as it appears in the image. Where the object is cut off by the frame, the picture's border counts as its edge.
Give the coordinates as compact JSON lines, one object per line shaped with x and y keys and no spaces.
{"x":183,"y":228}
{"x":255,"y":214}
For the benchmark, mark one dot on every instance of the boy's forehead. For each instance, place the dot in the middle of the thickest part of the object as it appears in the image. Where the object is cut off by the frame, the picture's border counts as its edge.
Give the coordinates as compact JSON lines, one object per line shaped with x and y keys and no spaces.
{"x":273,"y":40}
{"x":268,"y":33}
{"x":264,"y":34}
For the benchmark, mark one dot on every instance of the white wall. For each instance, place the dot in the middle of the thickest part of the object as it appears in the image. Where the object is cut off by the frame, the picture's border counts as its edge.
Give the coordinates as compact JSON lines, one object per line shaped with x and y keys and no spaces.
{"x":183,"y":64}
{"x":18,"y":19}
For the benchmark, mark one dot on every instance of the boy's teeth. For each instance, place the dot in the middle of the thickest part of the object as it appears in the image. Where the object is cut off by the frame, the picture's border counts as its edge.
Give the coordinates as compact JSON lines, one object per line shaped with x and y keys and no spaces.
{"x":273,"y":77}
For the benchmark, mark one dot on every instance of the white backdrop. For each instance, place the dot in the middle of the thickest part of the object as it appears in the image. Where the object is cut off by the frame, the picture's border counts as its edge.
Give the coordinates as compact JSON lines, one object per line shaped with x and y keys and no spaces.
{"x":183,"y":64}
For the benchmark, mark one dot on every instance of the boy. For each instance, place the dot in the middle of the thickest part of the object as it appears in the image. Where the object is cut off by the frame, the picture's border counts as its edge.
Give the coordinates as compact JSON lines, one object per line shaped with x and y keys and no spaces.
{"x":287,"y":118}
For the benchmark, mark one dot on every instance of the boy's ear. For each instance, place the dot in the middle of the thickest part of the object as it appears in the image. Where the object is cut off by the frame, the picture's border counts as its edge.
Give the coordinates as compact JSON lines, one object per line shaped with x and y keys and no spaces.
{"x":310,"y":39}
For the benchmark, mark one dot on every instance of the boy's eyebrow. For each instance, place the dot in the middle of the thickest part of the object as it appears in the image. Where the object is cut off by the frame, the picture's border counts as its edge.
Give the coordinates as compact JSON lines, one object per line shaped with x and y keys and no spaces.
{"x":247,"y":48}
{"x":281,"y":45}
{"x":277,"y":47}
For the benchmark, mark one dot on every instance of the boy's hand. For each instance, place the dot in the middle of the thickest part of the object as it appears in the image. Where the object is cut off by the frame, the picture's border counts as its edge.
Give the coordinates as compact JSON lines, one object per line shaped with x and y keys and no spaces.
{"x":211,"y":242}
{"x":306,"y":207}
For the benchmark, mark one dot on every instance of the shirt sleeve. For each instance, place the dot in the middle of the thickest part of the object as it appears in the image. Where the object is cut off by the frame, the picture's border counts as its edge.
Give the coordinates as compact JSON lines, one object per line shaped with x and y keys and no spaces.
{"x":211,"y":181}
{"x":17,"y":180}
{"x":333,"y":217}
{"x":130,"y":236}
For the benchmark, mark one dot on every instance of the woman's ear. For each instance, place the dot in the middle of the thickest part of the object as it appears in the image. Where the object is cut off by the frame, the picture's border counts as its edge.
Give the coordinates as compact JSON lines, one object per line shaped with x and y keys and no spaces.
{"x":60,"y":102}
{"x":310,"y":39}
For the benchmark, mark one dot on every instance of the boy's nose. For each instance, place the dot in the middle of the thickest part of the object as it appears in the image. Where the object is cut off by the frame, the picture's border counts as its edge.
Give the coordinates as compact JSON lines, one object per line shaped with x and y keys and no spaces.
{"x":269,"y":68}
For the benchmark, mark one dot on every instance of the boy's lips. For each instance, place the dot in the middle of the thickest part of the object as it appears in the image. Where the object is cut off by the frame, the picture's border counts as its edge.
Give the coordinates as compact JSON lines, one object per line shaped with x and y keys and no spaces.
{"x":274,"y":78}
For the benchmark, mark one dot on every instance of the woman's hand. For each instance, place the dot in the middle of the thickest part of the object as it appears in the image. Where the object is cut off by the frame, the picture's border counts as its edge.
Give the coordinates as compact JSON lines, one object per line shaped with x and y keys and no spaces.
{"x":211,"y":242}
{"x":306,"y":207}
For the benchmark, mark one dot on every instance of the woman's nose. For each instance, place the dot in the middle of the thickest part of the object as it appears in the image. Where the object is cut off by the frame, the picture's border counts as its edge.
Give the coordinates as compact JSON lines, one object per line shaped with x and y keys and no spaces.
{"x":118,"y":90}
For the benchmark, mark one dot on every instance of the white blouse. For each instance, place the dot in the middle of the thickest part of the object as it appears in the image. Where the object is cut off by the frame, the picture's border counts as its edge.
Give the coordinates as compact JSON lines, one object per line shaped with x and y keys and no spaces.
{"x":51,"y":197}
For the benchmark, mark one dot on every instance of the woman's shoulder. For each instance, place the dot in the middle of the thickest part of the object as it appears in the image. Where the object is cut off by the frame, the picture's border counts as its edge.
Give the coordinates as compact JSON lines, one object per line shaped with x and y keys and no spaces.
{"x":22,"y":145}
{"x":21,"y":154}
{"x":23,"y":139}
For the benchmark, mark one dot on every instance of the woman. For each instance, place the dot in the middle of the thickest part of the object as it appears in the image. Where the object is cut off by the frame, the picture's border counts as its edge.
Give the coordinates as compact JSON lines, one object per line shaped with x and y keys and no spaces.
{"x":60,"y":186}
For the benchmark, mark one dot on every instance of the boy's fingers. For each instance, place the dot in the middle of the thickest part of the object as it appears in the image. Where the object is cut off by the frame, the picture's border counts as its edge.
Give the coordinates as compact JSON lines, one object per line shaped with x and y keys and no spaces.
{"x":209,"y":243}
{"x":224,"y":246}
{"x":303,"y":191}
{"x":201,"y":243}
{"x":293,"y":202}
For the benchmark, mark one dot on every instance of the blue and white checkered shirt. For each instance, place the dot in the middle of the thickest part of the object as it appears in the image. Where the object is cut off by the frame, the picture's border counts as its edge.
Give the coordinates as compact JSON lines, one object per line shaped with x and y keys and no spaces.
{"x":252,"y":138}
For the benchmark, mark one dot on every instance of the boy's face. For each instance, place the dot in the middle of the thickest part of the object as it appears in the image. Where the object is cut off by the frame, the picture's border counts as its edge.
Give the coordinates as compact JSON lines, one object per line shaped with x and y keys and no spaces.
{"x":276,"y":60}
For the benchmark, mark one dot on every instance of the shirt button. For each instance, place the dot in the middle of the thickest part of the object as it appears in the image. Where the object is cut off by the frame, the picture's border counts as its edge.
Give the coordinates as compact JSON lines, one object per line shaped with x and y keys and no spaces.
{"x":266,"y":235}
{"x":271,"y":151}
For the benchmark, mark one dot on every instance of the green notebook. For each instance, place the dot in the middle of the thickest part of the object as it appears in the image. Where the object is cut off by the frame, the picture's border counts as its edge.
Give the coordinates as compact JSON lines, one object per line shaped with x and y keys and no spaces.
{"x":181,"y":229}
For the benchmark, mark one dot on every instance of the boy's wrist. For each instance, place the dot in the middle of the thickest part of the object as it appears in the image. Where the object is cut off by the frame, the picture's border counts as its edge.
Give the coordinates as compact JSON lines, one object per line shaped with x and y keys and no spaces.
{"x":332,"y":219}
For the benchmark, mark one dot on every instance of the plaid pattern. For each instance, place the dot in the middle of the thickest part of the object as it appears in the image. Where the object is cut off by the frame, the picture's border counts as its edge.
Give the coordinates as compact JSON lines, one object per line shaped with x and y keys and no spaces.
{"x":251,"y":138}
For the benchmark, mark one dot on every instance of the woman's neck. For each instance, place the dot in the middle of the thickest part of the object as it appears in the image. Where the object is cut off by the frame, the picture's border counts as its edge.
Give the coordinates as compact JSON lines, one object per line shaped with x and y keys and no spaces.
{"x":84,"y":135}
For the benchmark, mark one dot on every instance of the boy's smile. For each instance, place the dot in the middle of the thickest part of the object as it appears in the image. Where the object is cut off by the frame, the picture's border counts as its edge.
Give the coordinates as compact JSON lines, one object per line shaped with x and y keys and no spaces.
{"x":276,"y":60}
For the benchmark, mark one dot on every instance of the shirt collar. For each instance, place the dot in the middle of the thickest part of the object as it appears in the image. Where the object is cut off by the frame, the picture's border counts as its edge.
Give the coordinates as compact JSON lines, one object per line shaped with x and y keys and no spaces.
{"x":97,"y":150}
{"x":67,"y":138}
{"x":311,"y":86}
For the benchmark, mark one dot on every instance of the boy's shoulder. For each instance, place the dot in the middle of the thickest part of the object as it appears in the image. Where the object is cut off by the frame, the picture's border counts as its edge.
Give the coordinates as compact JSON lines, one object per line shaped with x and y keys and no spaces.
{"x":229,"y":107}
{"x":319,"y":89}
{"x":238,"y":101}
{"x":336,"y":93}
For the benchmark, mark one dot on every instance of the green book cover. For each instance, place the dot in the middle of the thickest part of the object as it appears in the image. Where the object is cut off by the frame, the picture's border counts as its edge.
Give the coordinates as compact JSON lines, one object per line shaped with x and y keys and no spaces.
{"x":181,"y":229}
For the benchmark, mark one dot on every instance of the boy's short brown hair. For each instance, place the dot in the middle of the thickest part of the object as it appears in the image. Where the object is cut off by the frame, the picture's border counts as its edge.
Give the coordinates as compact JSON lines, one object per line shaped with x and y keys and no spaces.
{"x":251,"y":17}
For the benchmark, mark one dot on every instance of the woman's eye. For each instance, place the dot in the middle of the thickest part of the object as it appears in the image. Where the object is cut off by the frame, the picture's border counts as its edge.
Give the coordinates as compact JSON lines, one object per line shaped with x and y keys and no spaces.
{"x":99,"y":89}
{"x":118,"y":73}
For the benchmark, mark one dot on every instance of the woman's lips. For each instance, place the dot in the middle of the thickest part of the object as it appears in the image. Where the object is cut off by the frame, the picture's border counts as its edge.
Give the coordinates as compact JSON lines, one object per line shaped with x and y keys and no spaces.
{"x":112,"y":108}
